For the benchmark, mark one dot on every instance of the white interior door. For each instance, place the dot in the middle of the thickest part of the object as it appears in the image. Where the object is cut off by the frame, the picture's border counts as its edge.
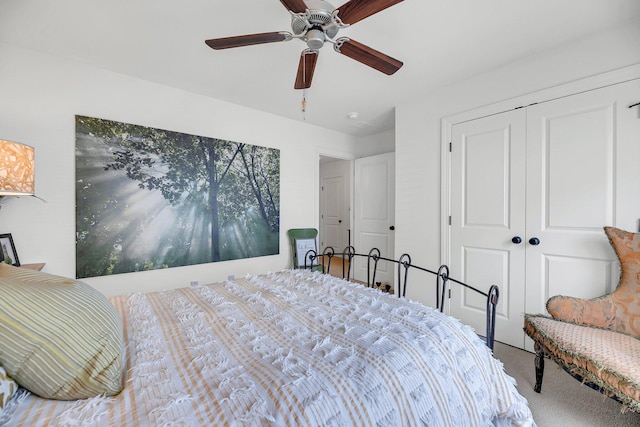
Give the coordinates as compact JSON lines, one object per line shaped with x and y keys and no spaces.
{"x":335,"y":203}
{"x":574,"y":152}
{"x":333,"y":211}
{"x":374,"y":197}
{"x":487,"y":213}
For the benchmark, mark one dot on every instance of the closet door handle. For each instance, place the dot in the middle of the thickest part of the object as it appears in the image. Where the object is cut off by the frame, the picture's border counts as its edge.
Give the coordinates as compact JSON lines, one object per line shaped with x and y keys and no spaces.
{"x":534,"y":241}
{"x":517,"y":240}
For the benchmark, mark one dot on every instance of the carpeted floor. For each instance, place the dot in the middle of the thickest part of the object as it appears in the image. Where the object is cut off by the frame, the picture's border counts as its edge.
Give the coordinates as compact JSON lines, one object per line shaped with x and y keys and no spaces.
{"x":563,"y":400}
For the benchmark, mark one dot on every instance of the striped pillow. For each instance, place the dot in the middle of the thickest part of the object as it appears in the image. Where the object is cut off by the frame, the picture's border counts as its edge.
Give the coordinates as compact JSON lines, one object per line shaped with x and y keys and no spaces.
{"x":61,"y":338}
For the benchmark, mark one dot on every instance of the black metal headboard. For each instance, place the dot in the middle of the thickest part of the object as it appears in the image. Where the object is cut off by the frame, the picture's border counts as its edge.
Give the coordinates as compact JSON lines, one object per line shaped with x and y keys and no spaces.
{"x":404,"y":265}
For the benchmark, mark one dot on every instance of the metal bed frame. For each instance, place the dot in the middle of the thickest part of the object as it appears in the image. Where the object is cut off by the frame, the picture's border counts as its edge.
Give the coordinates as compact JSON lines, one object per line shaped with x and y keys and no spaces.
{"x":404,"y":265}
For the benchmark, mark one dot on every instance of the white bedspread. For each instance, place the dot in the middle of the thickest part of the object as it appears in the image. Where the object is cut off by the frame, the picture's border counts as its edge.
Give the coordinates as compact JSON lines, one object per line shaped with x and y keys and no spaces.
{"x":292,"y":348}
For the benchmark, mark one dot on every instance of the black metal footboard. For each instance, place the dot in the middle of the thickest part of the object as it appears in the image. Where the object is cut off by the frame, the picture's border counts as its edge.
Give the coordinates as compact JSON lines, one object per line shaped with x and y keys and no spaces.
{"x":404,"y":265}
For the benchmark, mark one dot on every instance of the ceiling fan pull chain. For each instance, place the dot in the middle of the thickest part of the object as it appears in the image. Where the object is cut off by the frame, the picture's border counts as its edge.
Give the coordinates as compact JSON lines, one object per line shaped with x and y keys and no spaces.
{"x":304,"y":104}
{"x":304,"y":90}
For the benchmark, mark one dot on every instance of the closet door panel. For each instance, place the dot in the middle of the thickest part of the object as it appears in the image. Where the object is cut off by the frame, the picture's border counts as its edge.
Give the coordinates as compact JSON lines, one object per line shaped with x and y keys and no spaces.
{"x":578,"y":168}
{"x":486,"y":171}
{"x":481,"y":266}
{"x":578,"y":277}
{"x":571,"y":194}
{"x":487,"y":212}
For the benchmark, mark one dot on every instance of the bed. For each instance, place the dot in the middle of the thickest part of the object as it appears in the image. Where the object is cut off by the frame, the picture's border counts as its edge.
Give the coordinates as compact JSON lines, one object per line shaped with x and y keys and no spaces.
{"x":290,"y":348}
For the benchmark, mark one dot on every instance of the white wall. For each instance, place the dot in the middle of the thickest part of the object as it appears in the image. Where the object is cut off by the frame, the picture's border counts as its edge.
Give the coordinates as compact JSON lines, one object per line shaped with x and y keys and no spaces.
{"x":40,"y":95}
{"x":418,"y":126}
{"x":379,"y":143}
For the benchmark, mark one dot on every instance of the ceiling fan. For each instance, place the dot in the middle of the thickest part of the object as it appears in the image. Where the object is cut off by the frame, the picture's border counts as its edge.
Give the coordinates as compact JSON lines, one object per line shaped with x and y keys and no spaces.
{"x":316,"y":22}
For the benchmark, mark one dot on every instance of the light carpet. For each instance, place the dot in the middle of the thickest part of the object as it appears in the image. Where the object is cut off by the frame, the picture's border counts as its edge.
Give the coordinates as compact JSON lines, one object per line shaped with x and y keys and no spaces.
{"x":563,"y":400}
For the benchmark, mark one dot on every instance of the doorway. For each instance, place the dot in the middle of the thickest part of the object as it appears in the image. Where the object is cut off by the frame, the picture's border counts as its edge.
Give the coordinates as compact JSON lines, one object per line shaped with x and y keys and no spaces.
{"x":367,"y":184}
{"x":335,"y":204}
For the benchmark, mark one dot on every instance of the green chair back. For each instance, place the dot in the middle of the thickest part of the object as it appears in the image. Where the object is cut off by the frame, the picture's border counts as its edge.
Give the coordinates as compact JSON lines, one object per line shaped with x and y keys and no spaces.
{"x":301,"y":233}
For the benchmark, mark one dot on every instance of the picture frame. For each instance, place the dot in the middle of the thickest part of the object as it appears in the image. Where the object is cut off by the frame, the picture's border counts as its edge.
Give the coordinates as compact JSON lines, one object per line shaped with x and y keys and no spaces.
{"x":120,"y":170}
{"x":304,"y":245}
{"x":8,"y":250}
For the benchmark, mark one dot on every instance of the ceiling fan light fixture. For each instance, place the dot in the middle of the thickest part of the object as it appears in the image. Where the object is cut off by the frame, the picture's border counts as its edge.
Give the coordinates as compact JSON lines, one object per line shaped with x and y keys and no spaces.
{"x":315,"y":38}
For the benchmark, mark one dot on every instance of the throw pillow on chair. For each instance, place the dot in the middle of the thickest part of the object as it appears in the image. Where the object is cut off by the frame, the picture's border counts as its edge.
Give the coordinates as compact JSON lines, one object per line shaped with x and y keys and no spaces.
{"x":618,"y":311}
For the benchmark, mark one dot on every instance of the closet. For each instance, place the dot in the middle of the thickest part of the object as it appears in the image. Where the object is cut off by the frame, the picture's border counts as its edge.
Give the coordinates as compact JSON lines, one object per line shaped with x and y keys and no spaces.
{"x":530,"y":190}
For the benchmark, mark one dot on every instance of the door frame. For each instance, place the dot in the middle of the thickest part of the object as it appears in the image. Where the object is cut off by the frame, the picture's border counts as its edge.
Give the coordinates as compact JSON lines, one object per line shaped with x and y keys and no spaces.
{"x":570,"y":88}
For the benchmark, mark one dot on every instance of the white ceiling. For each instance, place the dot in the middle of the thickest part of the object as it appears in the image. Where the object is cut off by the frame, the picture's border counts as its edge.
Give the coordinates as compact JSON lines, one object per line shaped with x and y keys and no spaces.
{"x":439,"y":41}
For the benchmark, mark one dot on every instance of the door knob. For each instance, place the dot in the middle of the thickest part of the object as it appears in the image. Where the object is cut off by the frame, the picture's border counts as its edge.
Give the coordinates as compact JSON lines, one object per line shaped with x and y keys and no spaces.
{"x":534,"y":241}
{"x":392,"y":228}
{"x":517,"y":240}
{"x":339,"y":221}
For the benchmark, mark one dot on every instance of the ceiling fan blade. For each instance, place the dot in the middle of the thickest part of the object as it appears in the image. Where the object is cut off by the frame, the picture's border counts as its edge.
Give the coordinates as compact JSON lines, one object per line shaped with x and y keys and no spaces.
{"x":248,"y":40}
{"x":295,"y":6}
{"x":367,"y":55}
{"x":356,"y":10}
{"x":306,"y":67}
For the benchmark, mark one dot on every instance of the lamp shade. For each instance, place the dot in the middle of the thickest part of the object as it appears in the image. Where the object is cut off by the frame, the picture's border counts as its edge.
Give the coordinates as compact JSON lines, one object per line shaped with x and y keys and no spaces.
{"x":17,"y":169}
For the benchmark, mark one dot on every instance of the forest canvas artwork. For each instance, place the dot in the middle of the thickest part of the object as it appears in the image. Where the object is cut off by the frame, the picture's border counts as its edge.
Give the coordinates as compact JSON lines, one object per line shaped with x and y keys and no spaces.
{"x":149,"y":198}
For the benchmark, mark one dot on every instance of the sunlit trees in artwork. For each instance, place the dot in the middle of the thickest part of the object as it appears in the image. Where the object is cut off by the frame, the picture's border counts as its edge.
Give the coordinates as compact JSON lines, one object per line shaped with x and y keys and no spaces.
{"x":224,"y":194}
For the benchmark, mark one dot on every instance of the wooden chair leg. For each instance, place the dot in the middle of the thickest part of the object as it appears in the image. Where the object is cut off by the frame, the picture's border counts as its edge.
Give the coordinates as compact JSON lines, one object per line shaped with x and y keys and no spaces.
{"x":539,"y":362}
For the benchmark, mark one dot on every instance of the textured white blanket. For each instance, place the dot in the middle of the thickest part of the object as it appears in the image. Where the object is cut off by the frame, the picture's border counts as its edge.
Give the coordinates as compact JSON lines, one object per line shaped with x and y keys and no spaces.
{"x":293,"y":348}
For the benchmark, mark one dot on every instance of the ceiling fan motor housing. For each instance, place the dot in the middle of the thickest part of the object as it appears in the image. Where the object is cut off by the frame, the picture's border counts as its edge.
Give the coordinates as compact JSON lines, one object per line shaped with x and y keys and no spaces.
{"x":316,"y":24}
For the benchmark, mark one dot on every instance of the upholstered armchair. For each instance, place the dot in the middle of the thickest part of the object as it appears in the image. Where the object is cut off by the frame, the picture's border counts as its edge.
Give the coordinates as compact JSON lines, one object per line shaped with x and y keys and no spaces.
{"x":598,"y":340}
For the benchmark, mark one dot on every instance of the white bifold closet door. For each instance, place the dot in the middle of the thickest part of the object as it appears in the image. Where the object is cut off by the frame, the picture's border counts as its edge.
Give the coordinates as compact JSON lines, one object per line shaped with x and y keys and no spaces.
{"x":531,"y":190}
